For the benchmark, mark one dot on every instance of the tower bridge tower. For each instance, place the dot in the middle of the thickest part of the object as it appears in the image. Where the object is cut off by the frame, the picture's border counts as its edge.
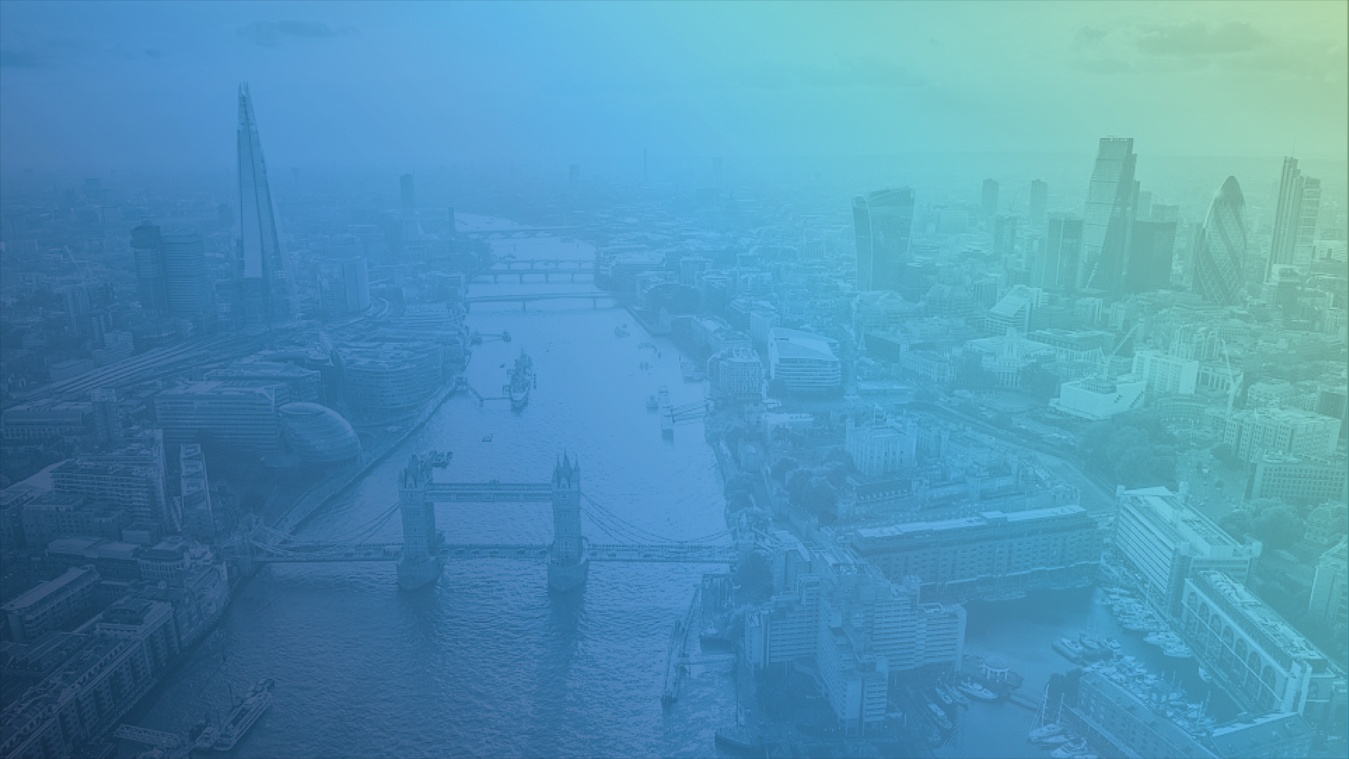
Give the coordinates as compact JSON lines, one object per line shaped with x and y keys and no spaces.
{"x":422,"y":559}
{"x":568,"y":556}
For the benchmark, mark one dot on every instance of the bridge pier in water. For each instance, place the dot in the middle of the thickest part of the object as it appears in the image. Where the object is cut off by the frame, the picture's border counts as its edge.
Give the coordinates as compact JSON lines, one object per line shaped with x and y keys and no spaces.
{"x":425,"y":551}
{"x":568,"y":556}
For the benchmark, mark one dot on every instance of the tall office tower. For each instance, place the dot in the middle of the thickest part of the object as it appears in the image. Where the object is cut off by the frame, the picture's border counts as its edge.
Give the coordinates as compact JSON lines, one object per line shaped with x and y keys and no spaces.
{"x":882,"y":221}
{"x":1056,"y":265}
{"x":1143,"y":209}
{"x":1306,"y":228}
{"x":194,"y":490}
{"x":454,"y":223}
{"x":1152,"y":245}
{"x":407,"y":193}
{"x":147,"y":252}
{"x":1004,"y":237}
{"x":171,"y":274}
{"x":344,"y":288}
{"x":1287,"y":216}
{"x":1109,"y":216}
{"x":1039,"y":201}
{"x":263,"y":285}
{"x":187,"y":283}
{"x":1220,"y":251}
{"x":107,"y":416}
{"x":989,"y":202}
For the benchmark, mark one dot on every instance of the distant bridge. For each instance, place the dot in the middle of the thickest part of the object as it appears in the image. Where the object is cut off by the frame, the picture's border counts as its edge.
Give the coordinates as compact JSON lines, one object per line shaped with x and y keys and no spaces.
{"x":519,"y":232}
{"x":535,"y":275}
{"x":594,"y":298}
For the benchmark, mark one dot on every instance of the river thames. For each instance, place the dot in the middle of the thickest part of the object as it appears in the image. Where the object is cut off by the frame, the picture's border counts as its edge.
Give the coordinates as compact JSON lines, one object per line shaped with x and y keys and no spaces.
{"x":488,"y":662}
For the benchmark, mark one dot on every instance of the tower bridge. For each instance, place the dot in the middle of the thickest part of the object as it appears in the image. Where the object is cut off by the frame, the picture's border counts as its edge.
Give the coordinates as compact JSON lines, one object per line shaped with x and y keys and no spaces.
{"x":421,"y":556}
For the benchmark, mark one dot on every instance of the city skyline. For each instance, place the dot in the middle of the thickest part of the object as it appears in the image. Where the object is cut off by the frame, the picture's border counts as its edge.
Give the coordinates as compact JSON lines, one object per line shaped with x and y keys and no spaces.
{"x":996,"y":453}
{"x":739,"y":101}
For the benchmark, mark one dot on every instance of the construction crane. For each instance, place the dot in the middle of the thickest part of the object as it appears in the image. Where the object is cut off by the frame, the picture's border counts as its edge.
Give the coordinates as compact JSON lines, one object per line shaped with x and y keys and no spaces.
{"x":1105,"y":362}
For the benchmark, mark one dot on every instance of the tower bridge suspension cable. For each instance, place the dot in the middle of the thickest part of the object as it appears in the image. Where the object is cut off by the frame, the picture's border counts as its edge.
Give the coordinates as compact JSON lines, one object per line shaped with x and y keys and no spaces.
{"x":609,"y":522}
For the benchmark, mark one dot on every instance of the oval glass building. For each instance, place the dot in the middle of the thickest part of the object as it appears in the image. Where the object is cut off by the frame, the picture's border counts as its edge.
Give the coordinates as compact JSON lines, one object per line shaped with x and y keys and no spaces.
{"x":318,"y":435}
{"x":1221,"y":252}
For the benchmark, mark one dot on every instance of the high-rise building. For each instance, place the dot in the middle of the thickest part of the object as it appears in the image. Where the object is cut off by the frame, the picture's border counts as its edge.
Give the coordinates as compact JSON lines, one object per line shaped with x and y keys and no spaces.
{"x":989,"y":198}
{"x":194,"y":490}
{"x":407,"y":193}
{"x":1152,"y":246}
{"x":1287,"y":215}
{"x":1306,"y":229}
{"x":1220,"y":251}
{"x":1165,"y":541}
{"x":107,"y":416}
{"x":1039,"y":201}
{"x":147,"y":252}
{"x":263,"y":285}
{"x":344,"y":288}
{"x":1111,"y":197}
{"x":882,"y":221}
{"x":1004,"y":237}
{"x":1056,"y":265}
{"x":171,"y":275}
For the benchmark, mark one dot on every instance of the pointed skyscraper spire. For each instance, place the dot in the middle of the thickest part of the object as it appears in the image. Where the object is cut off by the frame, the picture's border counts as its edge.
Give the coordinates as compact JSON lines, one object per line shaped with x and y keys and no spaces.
{"x":263,"y":294}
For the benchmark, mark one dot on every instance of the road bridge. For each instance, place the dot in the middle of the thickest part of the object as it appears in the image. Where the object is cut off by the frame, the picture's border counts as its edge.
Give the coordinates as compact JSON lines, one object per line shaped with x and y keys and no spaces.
{"x":524,"y":299}
{"x":423,"y":553}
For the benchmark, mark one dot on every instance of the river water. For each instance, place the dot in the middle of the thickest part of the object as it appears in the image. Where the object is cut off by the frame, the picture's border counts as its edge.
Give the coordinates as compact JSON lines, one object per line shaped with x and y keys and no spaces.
{"x":488,"y":662}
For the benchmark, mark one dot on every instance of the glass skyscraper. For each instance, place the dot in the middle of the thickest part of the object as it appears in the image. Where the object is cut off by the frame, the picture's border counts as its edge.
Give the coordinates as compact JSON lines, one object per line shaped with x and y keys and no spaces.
{"x":1109,"y":215}
{"x":882,"y":221}
{"x":263,"y":293}
{"x":1221,"y":250}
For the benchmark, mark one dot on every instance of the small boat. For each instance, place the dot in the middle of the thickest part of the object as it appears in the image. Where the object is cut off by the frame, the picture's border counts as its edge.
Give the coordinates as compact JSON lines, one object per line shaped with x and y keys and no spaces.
{"x":487,"y":438}
{"x":944,"y":696}
{"x":977,"y":691}
{"x":939,"y":717}
{"x":1112,"y":644}
{"x":651,"y":403}
{"x":955,"y":694}
{"x":1044,"y":731}
{"x":1070,"y":650}
{"x":1177,"y":651}
{"x":621,"y":330}
{"x":738,"y":739}
{"x":1205,"y":676}
{"x":1057,"y":739}
{"x":1070,"y":749}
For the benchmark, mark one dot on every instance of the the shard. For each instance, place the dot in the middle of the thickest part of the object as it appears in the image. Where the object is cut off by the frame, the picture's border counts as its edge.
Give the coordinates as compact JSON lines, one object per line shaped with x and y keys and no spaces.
{"x":263,"y":293}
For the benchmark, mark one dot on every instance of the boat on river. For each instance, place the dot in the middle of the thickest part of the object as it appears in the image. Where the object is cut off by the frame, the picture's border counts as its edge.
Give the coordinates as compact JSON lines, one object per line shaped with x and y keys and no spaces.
{"x":246,"y":712}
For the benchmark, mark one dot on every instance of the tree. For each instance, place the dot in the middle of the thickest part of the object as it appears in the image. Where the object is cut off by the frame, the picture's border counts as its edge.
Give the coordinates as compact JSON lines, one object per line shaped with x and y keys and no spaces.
{"x":740,"y":482}
{"x":782,"y":466}
{"x":1278,"y":526}
{"x":754,"y":578}
{"x":1236,"y":523}
{"x":1225,"y":455}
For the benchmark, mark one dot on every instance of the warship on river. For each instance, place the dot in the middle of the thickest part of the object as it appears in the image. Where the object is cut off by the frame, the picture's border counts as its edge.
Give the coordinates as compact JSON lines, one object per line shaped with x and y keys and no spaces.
{"x":522,"y":381}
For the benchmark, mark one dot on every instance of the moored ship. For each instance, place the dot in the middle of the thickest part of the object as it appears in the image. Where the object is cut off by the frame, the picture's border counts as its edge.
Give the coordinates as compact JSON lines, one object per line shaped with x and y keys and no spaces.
{"x":522,"y":381}
{"x":245,"y":713}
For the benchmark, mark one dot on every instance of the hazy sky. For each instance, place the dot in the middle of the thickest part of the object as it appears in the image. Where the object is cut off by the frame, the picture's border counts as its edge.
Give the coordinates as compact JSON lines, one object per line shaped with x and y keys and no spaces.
{"x":87,"y":86}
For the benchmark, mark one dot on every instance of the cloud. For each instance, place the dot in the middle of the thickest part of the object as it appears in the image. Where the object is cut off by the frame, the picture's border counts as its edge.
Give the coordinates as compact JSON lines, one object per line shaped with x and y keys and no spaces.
{"x":1166,"y":48}
{"x":273,"y":33}
{"x":1197,"y":39}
